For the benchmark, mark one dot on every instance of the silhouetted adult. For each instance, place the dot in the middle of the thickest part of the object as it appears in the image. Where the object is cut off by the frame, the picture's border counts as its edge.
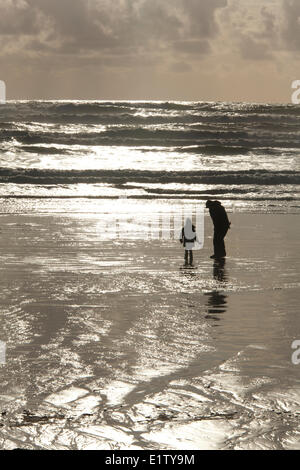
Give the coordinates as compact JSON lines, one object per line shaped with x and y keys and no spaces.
{"x":221,"y":226}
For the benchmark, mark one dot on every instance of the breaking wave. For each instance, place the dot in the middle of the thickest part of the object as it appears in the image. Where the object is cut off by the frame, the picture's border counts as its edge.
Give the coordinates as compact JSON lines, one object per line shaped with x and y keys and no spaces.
{"x":251,"y":151}
{"x":243,"y":177}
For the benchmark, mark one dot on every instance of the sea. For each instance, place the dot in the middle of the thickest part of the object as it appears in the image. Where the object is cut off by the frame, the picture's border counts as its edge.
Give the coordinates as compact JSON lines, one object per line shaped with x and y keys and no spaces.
{"x":246,"y":155}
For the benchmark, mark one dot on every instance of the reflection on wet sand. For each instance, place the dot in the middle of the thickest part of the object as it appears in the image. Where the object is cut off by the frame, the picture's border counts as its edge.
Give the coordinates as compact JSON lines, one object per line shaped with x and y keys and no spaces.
{"x":188,"y":273}
{"x":217,"y":301}
{"x":219,"y":270}
{"x":109,"y":346}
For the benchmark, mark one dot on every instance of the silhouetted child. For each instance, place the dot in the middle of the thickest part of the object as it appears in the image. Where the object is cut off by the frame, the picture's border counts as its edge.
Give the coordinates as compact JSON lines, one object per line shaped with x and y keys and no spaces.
{"x":188,"y":238}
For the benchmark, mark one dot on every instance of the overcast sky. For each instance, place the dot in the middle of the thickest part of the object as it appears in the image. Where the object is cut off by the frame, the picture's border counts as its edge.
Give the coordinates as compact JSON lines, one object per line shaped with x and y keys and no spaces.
{"x":240,"y":50}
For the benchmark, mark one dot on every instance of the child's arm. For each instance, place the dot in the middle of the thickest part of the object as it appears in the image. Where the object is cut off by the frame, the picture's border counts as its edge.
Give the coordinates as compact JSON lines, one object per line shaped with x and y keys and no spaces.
{"x":195,"y":237}
{"x":182,"y":235}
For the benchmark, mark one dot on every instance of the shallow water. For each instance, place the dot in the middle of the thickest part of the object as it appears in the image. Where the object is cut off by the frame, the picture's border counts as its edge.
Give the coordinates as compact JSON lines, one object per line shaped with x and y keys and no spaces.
{"x":111,"y":345}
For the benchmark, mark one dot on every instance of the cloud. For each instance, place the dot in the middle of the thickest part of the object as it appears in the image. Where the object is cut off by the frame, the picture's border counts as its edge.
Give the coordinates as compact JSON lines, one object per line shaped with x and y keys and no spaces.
{"x":148,"y":41}
{"x":89,"y":26}
{"x":16,"y":18}
{"x":201,"y":16}
{"x":291,"y":29}
{"x":196,"y":47}
{"x":252,"y":49}
{"x":269,"y":22}
{"x":180,"y":67}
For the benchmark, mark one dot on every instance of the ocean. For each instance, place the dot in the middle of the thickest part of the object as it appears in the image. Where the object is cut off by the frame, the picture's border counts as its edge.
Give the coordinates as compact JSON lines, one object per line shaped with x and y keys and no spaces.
{"x":246,"y":155}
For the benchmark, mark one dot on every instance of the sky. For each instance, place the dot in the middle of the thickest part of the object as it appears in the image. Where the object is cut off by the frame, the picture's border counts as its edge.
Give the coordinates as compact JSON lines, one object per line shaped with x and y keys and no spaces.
{"x":212,"y":50}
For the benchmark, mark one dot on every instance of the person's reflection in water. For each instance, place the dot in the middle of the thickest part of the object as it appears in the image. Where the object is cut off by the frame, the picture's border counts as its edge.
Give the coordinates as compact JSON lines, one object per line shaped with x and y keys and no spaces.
{"x":217,"y":305}
{"x":188,"y":273}
{"x":219,"y":271}
{"x":217,"y":301}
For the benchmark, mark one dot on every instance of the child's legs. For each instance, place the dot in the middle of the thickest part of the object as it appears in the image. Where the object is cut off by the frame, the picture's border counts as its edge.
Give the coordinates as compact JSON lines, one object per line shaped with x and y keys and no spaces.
{"x":186,"y":256}
{"x":191,"y":256}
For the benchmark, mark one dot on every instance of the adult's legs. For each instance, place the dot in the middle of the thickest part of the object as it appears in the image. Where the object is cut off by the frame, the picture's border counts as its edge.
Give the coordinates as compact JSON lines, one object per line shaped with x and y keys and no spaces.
{"x":219,"y":245}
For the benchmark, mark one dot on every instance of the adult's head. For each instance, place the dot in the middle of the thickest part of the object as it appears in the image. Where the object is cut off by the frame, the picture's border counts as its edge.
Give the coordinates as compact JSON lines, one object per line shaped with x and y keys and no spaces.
{"x":210,"y":203}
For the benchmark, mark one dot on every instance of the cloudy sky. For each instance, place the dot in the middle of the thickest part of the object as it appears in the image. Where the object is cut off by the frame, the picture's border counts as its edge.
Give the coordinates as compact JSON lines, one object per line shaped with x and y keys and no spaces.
{"x":241,"y":50}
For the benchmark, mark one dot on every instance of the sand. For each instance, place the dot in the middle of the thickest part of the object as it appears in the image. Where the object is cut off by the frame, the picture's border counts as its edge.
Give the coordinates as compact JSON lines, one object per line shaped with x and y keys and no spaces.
{"x":111,"y":346}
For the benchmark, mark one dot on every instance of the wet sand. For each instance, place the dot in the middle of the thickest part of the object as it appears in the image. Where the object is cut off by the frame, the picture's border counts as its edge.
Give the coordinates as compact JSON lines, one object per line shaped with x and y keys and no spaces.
{"x":111,"y":346}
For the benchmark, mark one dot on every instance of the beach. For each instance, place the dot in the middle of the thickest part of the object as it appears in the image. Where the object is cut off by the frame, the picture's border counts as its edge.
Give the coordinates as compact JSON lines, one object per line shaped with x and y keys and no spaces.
{"x":110,"y":345}
{"x":134,"y":136}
